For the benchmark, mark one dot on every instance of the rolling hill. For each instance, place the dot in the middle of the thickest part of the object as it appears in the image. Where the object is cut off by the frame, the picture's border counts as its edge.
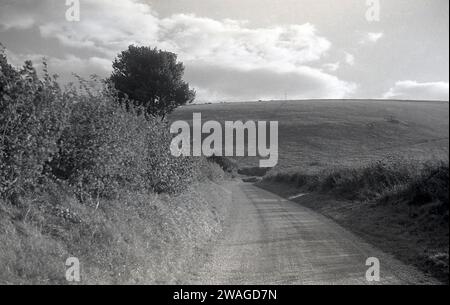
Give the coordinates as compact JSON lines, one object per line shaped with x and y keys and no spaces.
{"x":317,"y":134}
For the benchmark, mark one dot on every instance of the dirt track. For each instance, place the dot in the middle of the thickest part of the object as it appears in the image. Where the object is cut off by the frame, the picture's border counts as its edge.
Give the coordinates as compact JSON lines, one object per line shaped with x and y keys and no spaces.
{"x":270,"y":240}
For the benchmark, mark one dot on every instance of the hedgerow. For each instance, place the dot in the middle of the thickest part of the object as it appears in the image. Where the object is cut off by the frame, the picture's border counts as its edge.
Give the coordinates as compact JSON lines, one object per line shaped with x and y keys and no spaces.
{"x":391,"y":180}
{"x":33,"y":113}
{"x":83,"y":136}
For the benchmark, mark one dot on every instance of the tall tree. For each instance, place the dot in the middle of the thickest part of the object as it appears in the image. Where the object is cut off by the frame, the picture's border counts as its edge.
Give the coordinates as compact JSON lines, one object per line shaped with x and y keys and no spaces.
{"x":152,"y":78}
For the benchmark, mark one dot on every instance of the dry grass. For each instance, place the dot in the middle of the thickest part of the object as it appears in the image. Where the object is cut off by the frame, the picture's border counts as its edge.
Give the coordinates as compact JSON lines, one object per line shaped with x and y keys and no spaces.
{"x":316,"y":135}
{"x":135,"y":239}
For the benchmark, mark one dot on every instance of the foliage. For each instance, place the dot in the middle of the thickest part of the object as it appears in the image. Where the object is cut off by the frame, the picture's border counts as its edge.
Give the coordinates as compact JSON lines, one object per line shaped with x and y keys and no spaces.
{"x":227,"y":164}
{"x":32,"y":116}
{"x":152,"y":78}
{"x":254,"y":171}
{"x":431,"y":185}
{"x":106,"y":148}
{"x":389,"y":180}
{"x":83,"y":136}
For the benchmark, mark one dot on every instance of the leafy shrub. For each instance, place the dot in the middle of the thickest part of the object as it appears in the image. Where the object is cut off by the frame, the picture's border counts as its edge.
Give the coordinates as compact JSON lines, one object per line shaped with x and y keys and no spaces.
{"x":254,"y":171}
{"x":166,"y":172}
{"x":211,"y":171}
{"x":83,"y":136}
{"x":32,"y":117}
{"x":389,"y":180}
{"x":106,"y":147}
{"x":87,"y":154}
{"x":225,"y":163}
{"x":369,"y":182}
{"x":430,"y":186}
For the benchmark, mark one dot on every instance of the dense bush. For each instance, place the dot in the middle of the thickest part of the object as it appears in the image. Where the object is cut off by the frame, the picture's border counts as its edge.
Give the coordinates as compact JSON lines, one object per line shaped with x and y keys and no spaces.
{"x":227,"y":164}
{"x":83,"y":136}
{"x":254,"y":171}
{"x":211,"y":171}
{"x":387,"y":181}
{"x":369,"y":182}
{"x":430,"y":186}
{"x":106,"y":147}
{"x":32,"y":116}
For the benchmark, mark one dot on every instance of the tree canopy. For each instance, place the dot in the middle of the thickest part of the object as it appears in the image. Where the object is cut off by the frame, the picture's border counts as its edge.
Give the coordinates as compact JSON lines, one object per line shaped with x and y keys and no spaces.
{"x":152,"y":78}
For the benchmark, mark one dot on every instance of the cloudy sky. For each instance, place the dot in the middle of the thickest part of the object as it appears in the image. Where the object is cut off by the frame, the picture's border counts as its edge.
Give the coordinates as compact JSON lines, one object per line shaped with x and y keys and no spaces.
{"x":237,"y":50}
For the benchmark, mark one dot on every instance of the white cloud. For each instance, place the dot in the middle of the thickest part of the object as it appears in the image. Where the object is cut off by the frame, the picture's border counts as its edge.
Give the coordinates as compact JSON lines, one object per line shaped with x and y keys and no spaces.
{"x":412,"y":90}
{"x":226,"y":83}
{"x":332,"y":67}
{"x":105,"y":26}
{"x":371,"y":37}
{"x":65,"y":66}
{"x":11,"y":18}
{"x":230,"y":42}
{"x":282,"y":54}
{"x":109,"y":28}
{"x":350,"y":59}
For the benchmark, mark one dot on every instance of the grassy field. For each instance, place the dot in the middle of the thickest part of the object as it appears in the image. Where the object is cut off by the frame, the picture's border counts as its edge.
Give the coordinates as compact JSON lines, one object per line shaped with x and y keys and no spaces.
{"x":320,"y":134}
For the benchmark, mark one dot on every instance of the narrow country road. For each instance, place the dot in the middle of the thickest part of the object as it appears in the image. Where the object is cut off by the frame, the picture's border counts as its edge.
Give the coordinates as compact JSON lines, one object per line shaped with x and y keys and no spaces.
{"x":270,"y":240}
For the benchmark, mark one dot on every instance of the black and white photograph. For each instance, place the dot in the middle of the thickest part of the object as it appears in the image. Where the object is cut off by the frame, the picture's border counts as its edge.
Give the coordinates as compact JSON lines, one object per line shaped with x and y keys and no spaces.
{"x":224,"y":149}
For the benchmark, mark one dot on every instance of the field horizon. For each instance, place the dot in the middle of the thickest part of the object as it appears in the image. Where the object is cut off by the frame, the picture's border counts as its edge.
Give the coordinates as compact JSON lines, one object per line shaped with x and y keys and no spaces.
{"x":318,"y":100}
{"x":317,"y":134}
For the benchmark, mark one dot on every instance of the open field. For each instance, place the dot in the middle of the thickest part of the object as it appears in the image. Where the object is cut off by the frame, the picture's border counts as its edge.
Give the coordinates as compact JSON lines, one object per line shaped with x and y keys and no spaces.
{"x":318,"y":134}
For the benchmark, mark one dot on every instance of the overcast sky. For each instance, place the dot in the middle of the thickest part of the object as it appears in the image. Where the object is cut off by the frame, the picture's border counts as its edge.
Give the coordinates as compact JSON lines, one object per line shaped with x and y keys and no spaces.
{"x":249,"y":49}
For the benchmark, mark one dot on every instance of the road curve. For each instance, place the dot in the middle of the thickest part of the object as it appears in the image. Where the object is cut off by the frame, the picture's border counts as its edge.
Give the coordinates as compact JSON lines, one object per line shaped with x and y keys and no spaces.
{"x":270,"y":240}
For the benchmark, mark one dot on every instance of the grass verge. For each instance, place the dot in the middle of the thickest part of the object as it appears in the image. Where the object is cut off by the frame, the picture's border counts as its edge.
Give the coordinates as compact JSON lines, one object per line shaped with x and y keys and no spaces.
{"x":134,"y":239}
